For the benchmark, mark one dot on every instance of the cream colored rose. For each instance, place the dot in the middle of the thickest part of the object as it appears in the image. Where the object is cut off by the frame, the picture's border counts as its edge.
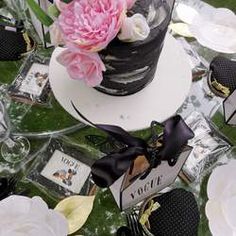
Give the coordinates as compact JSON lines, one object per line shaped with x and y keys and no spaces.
{"x":134,"y":28}
{"x":23,"y":216}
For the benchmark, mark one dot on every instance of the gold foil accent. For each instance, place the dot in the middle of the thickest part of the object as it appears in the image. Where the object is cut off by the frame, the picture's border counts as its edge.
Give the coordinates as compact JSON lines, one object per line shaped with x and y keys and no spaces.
{"x":27,"y":40}
{"x":220,"y":87}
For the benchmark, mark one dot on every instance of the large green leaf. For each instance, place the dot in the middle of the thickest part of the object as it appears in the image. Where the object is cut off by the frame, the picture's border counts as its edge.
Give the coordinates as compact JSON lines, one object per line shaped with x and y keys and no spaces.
{"x":39,"y":13}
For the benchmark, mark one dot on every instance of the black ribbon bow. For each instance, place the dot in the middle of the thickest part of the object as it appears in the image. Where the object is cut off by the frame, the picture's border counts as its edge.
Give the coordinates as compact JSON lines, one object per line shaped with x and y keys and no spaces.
{"x":108,"y":169}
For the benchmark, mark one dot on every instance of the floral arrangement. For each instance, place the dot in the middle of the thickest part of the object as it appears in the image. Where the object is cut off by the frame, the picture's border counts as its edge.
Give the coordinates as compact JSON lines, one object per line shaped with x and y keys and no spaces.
{"x":24,"y":216}
{"x":86,"y":27}
{"x":30,"y":216}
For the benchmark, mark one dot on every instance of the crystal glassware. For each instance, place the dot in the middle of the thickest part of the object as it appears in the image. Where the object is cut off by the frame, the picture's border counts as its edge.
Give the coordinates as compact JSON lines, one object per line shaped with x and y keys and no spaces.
{"x":13,"y":149}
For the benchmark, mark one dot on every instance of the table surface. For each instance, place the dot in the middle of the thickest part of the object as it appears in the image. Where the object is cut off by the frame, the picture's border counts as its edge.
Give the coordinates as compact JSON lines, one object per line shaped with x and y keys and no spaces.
{"x":37,"y":123}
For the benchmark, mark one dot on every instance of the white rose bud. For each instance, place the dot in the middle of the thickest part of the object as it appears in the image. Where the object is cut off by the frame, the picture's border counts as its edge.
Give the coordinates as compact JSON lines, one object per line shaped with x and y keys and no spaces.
{"x":134,"y":28}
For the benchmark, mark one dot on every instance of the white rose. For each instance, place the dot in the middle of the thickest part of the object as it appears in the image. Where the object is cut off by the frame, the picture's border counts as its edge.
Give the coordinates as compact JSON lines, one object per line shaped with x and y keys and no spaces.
{"x":55,"y":34}
{"x":134,"y":28}
{"x":221,"y":206}
{"x":216,"y":30}
{"x":23,"y":216}
{"x":186,"y":13}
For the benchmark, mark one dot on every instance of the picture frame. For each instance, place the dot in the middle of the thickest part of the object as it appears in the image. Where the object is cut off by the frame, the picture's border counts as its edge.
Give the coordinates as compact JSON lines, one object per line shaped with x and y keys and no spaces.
{"x":31,"y":84}
{"x":61,"y":169}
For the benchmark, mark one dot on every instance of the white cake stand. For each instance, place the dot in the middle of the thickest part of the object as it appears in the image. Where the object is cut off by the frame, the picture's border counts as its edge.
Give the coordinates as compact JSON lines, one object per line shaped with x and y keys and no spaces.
{"x":158,"y":101}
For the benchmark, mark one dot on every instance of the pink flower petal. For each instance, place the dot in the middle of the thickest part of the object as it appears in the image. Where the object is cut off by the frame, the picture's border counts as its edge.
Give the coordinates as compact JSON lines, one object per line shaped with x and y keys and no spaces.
{"x":130,"y":3}
{"x":82,"y":65}
{"x":92,"y":25}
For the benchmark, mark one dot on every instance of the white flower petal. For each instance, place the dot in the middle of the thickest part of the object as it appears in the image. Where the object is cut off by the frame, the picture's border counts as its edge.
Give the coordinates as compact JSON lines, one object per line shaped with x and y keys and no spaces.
{"x":30,"y":228}
{"x":23,"y":216}
{"x":211,"y":208}
{"x":229,"y":211}
{"x":216,"y":183}
{"x":221,"y":181}
{"x":134,"y":28}
{"x":58,"y":222}
{"x":186,"y":13}
{"x":40,"y":229}
{"x":77,"y":210}
{"x":216,"y":30}
{"x":181,"y":29}
{"x":38,"y":207}
{"x":217,"y":223}
{"x":10,"y":233}
{"x":230,"y":189}
{"x":15,"y":205}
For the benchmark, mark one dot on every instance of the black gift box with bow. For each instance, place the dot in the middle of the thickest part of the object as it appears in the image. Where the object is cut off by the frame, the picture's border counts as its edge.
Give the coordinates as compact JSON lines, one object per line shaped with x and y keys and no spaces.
{"x":165,"y":149}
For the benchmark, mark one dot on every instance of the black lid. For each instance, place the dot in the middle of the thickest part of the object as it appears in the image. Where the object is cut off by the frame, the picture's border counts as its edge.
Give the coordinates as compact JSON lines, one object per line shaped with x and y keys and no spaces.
{"x":178,"y":214}
{"x":222,"y":80}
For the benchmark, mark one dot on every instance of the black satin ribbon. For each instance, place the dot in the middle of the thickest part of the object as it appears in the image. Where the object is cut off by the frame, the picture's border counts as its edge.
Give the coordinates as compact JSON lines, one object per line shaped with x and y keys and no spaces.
{"x":108,"y":169}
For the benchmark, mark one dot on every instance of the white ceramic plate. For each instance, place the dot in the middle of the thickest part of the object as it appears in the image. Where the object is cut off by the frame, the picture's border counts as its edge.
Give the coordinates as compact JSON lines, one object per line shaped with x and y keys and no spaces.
{"x":158,"y":101}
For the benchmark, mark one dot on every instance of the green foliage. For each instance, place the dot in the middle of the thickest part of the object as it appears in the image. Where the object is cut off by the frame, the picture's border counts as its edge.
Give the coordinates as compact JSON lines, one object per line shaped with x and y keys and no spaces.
{"x":53,"y":11}
{"x":2,"y":4}
{"x":231,"y":4}
{"x":39,"y":13}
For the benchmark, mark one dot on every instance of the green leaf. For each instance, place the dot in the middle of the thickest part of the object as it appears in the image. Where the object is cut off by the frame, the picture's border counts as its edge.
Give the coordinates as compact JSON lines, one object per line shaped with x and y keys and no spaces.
{"x":53,"y":11}
{"x":39,"y":13}
{"x":47,"y":37}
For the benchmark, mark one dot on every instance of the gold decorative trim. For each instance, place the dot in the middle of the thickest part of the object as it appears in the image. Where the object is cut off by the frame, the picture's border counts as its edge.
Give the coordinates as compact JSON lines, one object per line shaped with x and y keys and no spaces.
{"x":27,"y":40}
{"x":225,"y":90}
{"x":29,"y":47}
{"x":153,"y":206}
{"x":216,"y":87}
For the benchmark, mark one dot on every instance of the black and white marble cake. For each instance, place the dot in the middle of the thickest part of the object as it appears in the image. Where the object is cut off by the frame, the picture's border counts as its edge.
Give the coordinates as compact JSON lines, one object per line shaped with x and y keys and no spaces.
{"x":132,"y":66}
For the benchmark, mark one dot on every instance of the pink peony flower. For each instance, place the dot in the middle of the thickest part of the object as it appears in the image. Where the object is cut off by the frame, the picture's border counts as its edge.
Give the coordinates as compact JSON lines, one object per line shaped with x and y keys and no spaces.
{"x":130,"y":3}
{"x":60,"y":5}
{"x":55,"y":34}
{"x":82,"y":65}
{"x":92,"y":24}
